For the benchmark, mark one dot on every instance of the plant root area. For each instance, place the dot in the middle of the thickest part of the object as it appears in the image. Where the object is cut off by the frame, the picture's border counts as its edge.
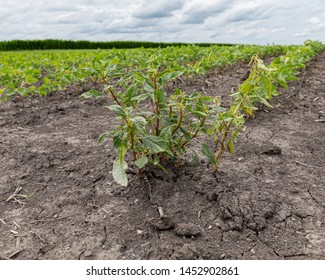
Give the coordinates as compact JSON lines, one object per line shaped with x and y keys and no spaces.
{"x":58,"y":199}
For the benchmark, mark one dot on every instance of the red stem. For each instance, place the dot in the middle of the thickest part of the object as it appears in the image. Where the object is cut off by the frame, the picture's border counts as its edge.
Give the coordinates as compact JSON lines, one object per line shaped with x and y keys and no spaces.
{"x":114,"y":97}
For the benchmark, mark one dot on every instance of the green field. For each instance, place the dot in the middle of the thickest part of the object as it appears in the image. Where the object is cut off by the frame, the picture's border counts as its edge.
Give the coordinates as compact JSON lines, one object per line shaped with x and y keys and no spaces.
{"x":41,"y":72}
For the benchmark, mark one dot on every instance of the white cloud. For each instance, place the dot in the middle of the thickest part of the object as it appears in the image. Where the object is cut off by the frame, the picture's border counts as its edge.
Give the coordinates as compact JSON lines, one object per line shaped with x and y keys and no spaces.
{"x":314,"y":20}
{"x":233,"y":21}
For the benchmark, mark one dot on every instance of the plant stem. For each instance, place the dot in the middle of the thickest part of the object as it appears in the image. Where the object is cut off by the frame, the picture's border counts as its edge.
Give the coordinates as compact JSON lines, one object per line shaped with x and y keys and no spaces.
{"x":114,"y":97}
{"x":225,"y":133}
{"x":157,"y":126}
{"x":132,"y":142}
{"x":222,"y":148}
{"x":179,"y":120}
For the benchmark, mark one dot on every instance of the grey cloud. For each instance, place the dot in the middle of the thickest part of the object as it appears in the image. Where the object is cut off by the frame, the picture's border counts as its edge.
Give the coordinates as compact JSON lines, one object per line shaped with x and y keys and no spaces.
{"x":198,"y":12}
{"x":252,"y":11}
{"x":157,"y":9}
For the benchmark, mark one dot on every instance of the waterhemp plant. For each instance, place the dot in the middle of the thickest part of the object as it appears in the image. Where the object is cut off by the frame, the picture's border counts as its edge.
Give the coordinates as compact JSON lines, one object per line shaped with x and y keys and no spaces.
{"x":154,"y":125}
{"x":257,"y":88}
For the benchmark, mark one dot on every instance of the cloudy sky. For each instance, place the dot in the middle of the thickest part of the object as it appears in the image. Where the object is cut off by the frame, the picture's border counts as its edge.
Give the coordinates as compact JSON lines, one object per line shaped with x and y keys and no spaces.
{"x":223,"y":21}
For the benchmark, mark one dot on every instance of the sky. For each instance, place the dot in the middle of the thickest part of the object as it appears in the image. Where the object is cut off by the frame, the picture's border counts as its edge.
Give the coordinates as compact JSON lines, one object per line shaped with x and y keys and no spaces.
{"x":213,"y":21}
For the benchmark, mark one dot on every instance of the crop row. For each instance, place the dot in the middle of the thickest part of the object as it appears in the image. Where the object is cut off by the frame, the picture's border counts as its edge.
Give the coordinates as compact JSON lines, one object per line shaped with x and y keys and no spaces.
{"x":39,"y":73}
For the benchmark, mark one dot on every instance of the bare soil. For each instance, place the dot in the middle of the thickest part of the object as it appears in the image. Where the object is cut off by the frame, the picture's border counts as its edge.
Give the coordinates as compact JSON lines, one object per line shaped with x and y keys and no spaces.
{"x":58,"y":199}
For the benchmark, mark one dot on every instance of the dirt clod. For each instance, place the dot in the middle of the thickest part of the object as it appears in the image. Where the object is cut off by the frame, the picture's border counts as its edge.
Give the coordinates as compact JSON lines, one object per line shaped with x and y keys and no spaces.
{"x":272,"y":150}
{"x":163,"y":223}
{"x":188,"y":230}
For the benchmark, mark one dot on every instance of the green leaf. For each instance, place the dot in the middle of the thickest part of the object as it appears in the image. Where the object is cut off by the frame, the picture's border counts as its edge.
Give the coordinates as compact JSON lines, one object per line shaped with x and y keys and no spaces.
{"x":92,"y":93}
{"x":142,"y":161}
{"x":170,"y":76}
{"x":186,"y":134}
{"x":160,"y":95}
{"x":139,"y":121}
{"x":263,"y":101}
{"x":119,"y":173}
{"x":231,"y":146}
{"x":30,"y":79}
{"x":155,"y":144}
{"x":166,"y":133}
{"x":22,"y":91}
{"x":282,"y":81}
{"x":130,"y":93}
{"x":140,"y":97}
{"x":266,"y":85}
{"x":118,"y":140}
{"x":110,"y":70}
{"x":195,"y":158}
{"x":148,"y":86}
{"x":208,"y":153}
{"x":118,"y":110}
{"x":200,"y":114}
{"x":47,"y":81}
{"x":103,"y":136}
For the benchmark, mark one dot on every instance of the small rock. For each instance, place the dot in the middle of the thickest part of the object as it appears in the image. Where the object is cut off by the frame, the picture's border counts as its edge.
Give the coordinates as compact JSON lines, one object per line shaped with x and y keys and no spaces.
{"x":272,"y":150}
{"x":163,"y":223}
{"x":60,"y":108}
{"x":188,"y":230}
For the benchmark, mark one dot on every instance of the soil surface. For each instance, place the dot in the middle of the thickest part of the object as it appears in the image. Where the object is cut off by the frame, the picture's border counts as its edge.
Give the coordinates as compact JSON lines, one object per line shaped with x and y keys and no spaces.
{"x":58,"y":199}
